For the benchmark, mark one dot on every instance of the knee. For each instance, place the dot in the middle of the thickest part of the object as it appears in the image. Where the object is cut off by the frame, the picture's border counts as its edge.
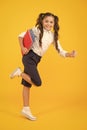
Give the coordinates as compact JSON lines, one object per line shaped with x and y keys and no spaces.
{"x":38,"y":83}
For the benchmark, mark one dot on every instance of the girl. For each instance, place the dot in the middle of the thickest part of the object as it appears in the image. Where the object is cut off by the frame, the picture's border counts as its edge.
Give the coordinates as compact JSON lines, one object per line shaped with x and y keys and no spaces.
{"x":46,"y":33}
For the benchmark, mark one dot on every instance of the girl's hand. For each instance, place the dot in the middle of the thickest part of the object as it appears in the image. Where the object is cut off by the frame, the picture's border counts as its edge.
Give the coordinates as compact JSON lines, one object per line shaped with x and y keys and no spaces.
{"x":71,"y":54}
{"x":25,"y":50}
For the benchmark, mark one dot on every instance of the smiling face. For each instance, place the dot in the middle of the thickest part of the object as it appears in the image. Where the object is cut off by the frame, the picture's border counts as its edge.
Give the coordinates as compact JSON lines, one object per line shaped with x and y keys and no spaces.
{"x":48,"y":23}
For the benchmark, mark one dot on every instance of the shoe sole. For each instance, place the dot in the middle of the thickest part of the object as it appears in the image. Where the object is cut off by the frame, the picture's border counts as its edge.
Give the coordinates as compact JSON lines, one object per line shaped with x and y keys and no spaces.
{"x":12,"y":74}
{"x":28,"y":117}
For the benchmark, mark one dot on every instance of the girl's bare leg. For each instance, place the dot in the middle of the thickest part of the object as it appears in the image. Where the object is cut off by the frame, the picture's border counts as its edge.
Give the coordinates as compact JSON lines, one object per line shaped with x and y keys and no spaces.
{"x":27,"y":78}
{"x":26,"y":93}
{"x":26,"y":104}
{"x":26,"y":96}
{"x":18,"y":72}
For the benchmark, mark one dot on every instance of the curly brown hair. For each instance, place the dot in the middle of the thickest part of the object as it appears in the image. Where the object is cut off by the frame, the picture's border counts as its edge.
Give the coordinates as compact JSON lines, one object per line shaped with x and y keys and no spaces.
{"x":55,"y":28}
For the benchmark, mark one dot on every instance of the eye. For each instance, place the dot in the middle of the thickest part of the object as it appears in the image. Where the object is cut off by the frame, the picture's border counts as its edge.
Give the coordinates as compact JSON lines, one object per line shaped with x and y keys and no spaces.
{"x":51,"y":21}
{"x":46,"y":21}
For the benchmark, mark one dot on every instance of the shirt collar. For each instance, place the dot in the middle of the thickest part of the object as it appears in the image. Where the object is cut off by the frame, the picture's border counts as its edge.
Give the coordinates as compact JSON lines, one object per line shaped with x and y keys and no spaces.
{"x":46,"y":31}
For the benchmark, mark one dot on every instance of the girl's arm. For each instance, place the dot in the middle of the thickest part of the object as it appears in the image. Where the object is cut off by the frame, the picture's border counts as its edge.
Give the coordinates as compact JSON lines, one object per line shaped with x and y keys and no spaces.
{"x":20,"y":37}
{"x":64,"y":53}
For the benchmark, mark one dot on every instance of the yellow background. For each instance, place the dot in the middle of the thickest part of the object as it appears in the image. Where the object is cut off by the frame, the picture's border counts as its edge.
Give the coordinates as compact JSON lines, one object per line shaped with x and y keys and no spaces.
{"x":61,"y":102}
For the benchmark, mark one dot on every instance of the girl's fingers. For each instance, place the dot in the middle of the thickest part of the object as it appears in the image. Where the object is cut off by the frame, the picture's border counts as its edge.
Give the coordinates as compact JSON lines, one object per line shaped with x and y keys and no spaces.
{"x":73,"y":53}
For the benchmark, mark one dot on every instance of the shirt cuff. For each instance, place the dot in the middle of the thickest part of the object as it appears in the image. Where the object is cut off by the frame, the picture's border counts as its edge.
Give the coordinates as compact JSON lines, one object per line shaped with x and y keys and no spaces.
{"x":22,"y":34}
{"x":63,"y":53}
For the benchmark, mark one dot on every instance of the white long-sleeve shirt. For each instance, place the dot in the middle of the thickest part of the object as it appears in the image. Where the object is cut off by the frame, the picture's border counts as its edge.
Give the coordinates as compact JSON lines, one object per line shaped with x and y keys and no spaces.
{"x":47,"y":40}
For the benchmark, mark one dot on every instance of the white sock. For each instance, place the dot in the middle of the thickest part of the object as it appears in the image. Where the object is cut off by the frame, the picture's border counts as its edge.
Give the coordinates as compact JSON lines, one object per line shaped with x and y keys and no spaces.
{"x":26,"y":108}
